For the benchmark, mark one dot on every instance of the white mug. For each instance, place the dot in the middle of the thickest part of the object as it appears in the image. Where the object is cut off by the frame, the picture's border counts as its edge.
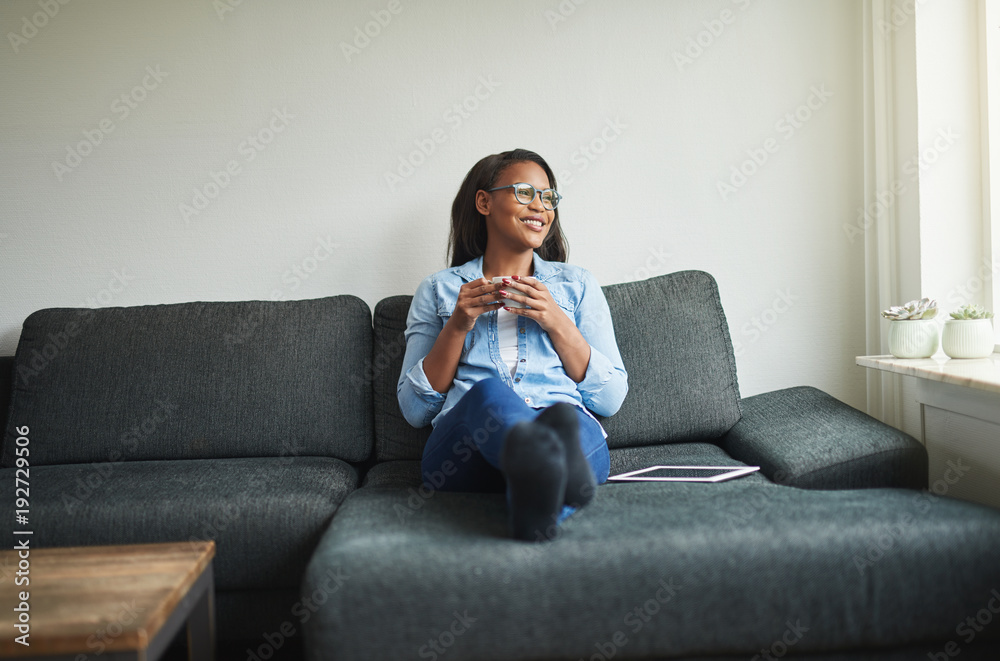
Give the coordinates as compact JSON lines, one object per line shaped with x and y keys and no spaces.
{"x":509,"y":303}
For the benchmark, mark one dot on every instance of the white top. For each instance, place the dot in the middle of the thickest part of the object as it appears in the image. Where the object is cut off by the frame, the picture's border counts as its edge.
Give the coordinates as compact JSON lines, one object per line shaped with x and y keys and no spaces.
{"x":507,"y":329}
{"x":507,"y":337}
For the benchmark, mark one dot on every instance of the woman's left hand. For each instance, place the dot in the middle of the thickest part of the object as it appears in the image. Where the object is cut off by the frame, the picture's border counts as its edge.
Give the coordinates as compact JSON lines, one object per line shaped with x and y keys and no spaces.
{"x":538,"y":298}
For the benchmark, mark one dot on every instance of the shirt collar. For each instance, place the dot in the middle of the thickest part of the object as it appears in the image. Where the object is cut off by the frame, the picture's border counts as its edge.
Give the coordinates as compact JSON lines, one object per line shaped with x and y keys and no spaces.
{"x":543,"y":269}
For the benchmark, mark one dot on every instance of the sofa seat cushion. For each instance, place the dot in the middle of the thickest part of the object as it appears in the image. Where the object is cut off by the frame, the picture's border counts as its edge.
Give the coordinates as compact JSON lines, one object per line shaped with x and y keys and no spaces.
{"x":677,"y":454}
{"x":406,"y":474}
{"x":652,"y":570}
{"x":265,"y":515}
{"x":395,"y":474}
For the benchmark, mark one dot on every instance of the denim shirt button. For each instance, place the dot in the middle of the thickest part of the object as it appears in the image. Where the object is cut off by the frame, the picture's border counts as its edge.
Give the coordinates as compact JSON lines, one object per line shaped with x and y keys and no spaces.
{"x":527,"y":400}
{"x":521,"y":331}
{"x":517,"y":380}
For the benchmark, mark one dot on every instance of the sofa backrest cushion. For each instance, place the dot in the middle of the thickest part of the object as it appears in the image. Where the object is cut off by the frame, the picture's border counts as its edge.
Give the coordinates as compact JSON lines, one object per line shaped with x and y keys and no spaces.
{"x":194,"y":381}
{"x":395,"y":438}
{"x":674,"y":341}
{"x":6,"y":384}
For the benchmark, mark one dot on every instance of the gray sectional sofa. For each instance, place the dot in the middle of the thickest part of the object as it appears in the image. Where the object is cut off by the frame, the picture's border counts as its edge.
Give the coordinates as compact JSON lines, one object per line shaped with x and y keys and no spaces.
{"x":273,"y":428}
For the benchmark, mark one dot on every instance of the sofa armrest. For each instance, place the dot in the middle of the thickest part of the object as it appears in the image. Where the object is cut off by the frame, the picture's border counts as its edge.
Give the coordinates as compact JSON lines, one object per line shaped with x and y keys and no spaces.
{"x":6,"y":386}
{"x":805,"y":438}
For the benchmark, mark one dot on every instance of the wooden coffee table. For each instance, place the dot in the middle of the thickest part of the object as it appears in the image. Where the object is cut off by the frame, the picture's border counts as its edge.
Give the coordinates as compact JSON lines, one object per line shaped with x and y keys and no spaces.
{"x":111,"y":602}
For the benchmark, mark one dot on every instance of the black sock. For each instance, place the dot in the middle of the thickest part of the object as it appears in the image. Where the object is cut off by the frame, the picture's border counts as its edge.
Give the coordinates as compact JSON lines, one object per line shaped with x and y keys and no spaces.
{"x":534,"y":463}
{"x":580,"y":482}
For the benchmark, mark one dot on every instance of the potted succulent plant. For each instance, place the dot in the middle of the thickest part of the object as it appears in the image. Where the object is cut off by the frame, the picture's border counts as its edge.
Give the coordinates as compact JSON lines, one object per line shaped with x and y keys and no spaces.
{"x":969,"y":333}
{"x":913,"y":333}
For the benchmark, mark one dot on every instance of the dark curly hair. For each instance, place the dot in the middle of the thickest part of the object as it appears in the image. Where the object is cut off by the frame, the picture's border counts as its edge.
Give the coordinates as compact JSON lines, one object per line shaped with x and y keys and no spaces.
{"x":467,"y":238}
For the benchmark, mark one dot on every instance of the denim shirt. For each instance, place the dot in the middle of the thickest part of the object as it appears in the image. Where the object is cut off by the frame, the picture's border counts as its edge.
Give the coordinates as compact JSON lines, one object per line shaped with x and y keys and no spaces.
{"x":540,"y":378}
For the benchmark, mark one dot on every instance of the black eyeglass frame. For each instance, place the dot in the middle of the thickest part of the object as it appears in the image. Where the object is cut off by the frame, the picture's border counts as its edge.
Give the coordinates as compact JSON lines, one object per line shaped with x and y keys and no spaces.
{"x":534,"y":192}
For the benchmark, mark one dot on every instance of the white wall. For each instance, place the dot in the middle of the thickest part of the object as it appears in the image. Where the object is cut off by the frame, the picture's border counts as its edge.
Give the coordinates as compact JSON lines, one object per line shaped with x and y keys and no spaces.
{"x":661,"y":133}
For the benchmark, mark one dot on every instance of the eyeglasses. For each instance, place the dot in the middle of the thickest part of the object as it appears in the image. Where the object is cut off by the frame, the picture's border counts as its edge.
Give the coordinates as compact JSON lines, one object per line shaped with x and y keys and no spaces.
{"x":525,"y":194}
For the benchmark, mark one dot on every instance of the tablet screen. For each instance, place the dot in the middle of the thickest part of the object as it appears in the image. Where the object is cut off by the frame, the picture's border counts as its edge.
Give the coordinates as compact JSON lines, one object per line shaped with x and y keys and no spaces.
{"x":663,"y":471}
{"x":684,"y":474}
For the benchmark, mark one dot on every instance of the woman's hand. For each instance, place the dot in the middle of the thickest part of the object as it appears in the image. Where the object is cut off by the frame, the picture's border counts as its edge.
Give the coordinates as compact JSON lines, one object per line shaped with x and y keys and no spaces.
{"x":572,"y":347}
{"x":474,"y":298}
{"x":537,"y":296}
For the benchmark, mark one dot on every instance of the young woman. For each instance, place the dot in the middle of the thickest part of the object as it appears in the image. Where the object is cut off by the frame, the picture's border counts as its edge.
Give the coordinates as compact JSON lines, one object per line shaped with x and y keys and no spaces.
{"x":506,"y":388}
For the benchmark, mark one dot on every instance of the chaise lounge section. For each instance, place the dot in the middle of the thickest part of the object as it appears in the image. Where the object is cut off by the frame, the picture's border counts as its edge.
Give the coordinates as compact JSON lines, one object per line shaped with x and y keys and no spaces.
{"x":831,"y":549}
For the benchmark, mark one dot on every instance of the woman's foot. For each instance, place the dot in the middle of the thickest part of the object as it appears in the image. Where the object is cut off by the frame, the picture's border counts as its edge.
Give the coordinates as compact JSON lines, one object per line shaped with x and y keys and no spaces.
{"x":534,"y":464}
{"x":580,"y":482}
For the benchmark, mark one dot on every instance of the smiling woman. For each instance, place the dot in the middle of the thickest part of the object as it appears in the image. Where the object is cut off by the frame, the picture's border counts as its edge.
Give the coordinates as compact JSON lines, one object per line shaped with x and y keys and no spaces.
{"x":510,"y":390}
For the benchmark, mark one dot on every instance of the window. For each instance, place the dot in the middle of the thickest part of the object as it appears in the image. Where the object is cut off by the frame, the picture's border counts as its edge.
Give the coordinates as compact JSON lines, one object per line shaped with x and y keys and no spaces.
{"x":989,"y":15}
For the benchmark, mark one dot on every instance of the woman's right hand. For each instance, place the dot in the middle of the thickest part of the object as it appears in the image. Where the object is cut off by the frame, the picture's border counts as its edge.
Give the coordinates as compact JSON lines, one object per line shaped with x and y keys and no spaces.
{"x":475,"y":298}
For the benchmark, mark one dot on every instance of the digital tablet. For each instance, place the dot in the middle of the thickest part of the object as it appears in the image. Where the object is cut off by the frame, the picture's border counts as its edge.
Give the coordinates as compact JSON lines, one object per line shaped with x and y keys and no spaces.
{"x":684,"y":474}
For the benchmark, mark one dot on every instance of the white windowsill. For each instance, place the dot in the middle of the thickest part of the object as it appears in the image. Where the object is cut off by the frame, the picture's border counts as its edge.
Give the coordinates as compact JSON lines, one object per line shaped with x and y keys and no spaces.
{"x":959,"y":421}
{"x":976,"y":373}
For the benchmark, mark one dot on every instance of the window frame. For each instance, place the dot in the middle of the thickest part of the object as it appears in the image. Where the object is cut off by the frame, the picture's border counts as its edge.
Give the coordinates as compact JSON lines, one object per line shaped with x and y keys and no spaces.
{"x":989,"y":52}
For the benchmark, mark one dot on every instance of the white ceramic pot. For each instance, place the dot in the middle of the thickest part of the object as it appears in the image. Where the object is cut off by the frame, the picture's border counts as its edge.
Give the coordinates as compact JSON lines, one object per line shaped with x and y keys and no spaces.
{"x":968,"y":338}
{"x":913,"y":338}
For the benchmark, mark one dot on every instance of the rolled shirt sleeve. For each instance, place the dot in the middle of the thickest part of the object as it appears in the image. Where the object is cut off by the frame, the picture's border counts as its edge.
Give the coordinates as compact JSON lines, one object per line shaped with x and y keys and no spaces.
{"x":605,"y":383}
{"x":418,"y":401}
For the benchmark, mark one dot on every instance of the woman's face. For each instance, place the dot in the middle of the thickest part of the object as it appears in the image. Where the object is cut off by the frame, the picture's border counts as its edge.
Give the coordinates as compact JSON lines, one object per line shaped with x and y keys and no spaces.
{"x":517,"y":226}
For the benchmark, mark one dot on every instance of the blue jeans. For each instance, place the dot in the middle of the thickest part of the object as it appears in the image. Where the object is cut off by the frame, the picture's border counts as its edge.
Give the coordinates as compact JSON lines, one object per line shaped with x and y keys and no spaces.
{"x":463,"y":451}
